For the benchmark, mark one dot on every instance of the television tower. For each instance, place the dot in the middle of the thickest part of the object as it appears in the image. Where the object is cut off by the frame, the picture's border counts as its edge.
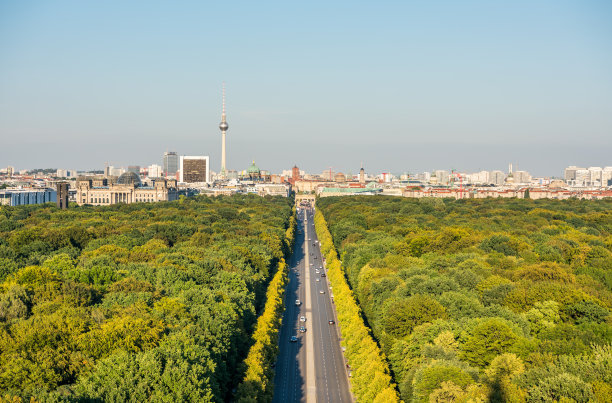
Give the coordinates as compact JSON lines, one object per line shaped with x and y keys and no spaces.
{"x":223,"y":127}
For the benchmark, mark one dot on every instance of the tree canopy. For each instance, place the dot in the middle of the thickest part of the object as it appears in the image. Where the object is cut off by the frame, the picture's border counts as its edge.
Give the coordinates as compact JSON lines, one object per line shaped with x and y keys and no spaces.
{"x":483,"y":299}
{"x":135,"y":302}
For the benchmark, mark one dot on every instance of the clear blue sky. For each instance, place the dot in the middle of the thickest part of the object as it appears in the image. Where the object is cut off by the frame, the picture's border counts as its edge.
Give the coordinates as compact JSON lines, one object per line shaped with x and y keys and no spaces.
{"x":397,"y":85}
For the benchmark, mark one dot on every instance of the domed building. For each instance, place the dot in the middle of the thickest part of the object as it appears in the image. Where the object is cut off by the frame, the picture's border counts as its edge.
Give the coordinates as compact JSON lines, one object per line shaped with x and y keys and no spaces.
{"x":128,"y":188}
{"x":129,"y":178}
{"x":340,"y":177}
{"x":254,"y":172}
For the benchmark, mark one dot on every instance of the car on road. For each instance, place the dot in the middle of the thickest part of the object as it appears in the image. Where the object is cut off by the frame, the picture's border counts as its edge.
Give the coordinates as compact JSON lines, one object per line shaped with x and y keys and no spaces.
{"x":297,"y":302}
{"x":317,"y":271}
{"x":321,"y":292}
{"x":318,"y":279}
{"x":302,"y":318}
{"x":293,"y":339}
{"x":331,"y":321}
{"x":315,"y":257}
{"x":323,"y":275}
{"x":302,"y":329}
{"x":297,"y":273}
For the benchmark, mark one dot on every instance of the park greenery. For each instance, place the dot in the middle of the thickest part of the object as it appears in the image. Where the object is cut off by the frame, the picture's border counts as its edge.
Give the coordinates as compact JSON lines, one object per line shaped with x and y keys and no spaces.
{"x":258,"y":382}
{"x":140,"y":302}
{"x":371,"y":380}
{"x":478,"y":300}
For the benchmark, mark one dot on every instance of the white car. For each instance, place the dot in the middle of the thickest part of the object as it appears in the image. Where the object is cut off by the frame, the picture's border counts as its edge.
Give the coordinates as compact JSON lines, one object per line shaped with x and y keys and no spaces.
{"x":297,"y":302}
{"x":318,"y":279}
{"x":321,"y":292}
{"x":302,"y":318}
{"x":317,"y":271}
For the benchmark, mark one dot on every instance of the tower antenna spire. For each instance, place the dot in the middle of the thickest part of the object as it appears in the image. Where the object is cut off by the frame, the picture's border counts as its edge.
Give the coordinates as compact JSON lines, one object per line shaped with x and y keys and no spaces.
{"x":223,"y":112}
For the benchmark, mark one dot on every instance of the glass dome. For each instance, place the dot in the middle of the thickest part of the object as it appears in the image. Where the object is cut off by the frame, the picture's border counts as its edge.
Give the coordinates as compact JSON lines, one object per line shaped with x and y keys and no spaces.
{"x":129,"y":178}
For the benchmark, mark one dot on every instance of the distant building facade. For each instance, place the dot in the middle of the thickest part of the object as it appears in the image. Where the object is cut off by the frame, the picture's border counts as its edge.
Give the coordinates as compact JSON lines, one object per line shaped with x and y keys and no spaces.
{"x":126,"y":189}
{"x":194,"y":169}
{"x":170,"y":163}
{"x":62,"y":195}
{"x":22,"y":197}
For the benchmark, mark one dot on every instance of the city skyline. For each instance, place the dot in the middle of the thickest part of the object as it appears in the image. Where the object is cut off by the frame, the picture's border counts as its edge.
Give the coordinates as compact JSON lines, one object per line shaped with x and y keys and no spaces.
{"x":401,"y":87}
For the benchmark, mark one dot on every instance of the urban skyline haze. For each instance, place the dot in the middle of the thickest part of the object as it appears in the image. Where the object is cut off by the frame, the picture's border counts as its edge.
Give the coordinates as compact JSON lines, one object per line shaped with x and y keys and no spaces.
{"x":399,"y":86}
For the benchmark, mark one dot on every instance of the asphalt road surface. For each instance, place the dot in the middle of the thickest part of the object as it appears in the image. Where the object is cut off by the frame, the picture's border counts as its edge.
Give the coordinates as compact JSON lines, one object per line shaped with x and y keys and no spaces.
{"x":311,"y":369}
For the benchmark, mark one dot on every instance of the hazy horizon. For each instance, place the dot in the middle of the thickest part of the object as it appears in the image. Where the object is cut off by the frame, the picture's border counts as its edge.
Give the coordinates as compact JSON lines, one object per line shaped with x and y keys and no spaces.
{"x":399,"y":87}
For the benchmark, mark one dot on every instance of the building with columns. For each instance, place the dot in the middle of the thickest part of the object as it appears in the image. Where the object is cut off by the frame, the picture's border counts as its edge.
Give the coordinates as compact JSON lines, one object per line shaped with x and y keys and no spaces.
{"x":127,"y":188}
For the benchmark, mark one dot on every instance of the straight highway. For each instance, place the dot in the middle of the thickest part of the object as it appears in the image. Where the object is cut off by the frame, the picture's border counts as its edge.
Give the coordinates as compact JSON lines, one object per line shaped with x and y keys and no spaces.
{"x":311,"y":368}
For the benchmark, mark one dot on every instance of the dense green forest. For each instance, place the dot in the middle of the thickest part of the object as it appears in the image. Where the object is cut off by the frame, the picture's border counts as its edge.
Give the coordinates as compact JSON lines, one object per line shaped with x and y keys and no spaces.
{"x":483,"y":300}
{"x":135,"y":302}
{"x":370,"y":375}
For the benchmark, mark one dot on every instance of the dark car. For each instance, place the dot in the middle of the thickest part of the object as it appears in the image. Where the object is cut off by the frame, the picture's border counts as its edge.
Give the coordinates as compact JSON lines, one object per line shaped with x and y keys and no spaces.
{"x":323,"y":275}
{"x":331,"y":321}
{"x":293,"y":339}
{"x":302,"y":329}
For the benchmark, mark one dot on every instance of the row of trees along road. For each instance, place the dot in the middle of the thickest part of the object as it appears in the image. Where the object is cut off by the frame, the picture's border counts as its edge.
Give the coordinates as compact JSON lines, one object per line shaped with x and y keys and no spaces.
{"x":483,"y":300}
{"x":257,"y":384}
{"x":139,"y":302}
{"x":371,"y":380}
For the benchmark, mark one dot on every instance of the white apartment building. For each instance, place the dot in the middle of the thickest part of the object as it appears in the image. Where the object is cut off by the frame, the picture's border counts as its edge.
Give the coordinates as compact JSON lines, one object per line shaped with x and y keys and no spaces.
{"x":521,"y":177}
{"x":155,"y":171}
{"x":588,"y":177}
{"x":478,"y":177}
{"x":443,"y":176}
{"x":497,"y":178}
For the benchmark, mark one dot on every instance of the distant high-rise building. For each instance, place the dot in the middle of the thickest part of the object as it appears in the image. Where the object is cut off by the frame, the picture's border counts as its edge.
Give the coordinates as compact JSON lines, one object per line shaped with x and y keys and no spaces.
{"x":478,"y":177}
{"x":170,"y":163}
{"x":497,"y":177}
{"x":521,"y":177}
{"x":62,"y":195}
{"x":194,"y":169}
{"x":223,"y":126}
{"x":443,"y":176}
{"x":361,"y":175}
{"x":570,"y":172}
{"x":155,"y":171}
{"x":606,"y":176}
{"x":595,"y":176}
{"x":110,"y":170}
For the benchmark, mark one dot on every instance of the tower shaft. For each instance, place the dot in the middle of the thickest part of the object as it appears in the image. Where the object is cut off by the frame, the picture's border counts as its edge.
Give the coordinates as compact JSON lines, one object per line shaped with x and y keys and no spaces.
{"x":223,"y":126}
{"x":223,"y":152}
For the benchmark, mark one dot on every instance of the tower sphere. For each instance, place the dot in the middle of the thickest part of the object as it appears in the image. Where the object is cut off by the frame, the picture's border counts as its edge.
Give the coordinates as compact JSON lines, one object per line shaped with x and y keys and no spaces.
{"x":223,"y":126}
